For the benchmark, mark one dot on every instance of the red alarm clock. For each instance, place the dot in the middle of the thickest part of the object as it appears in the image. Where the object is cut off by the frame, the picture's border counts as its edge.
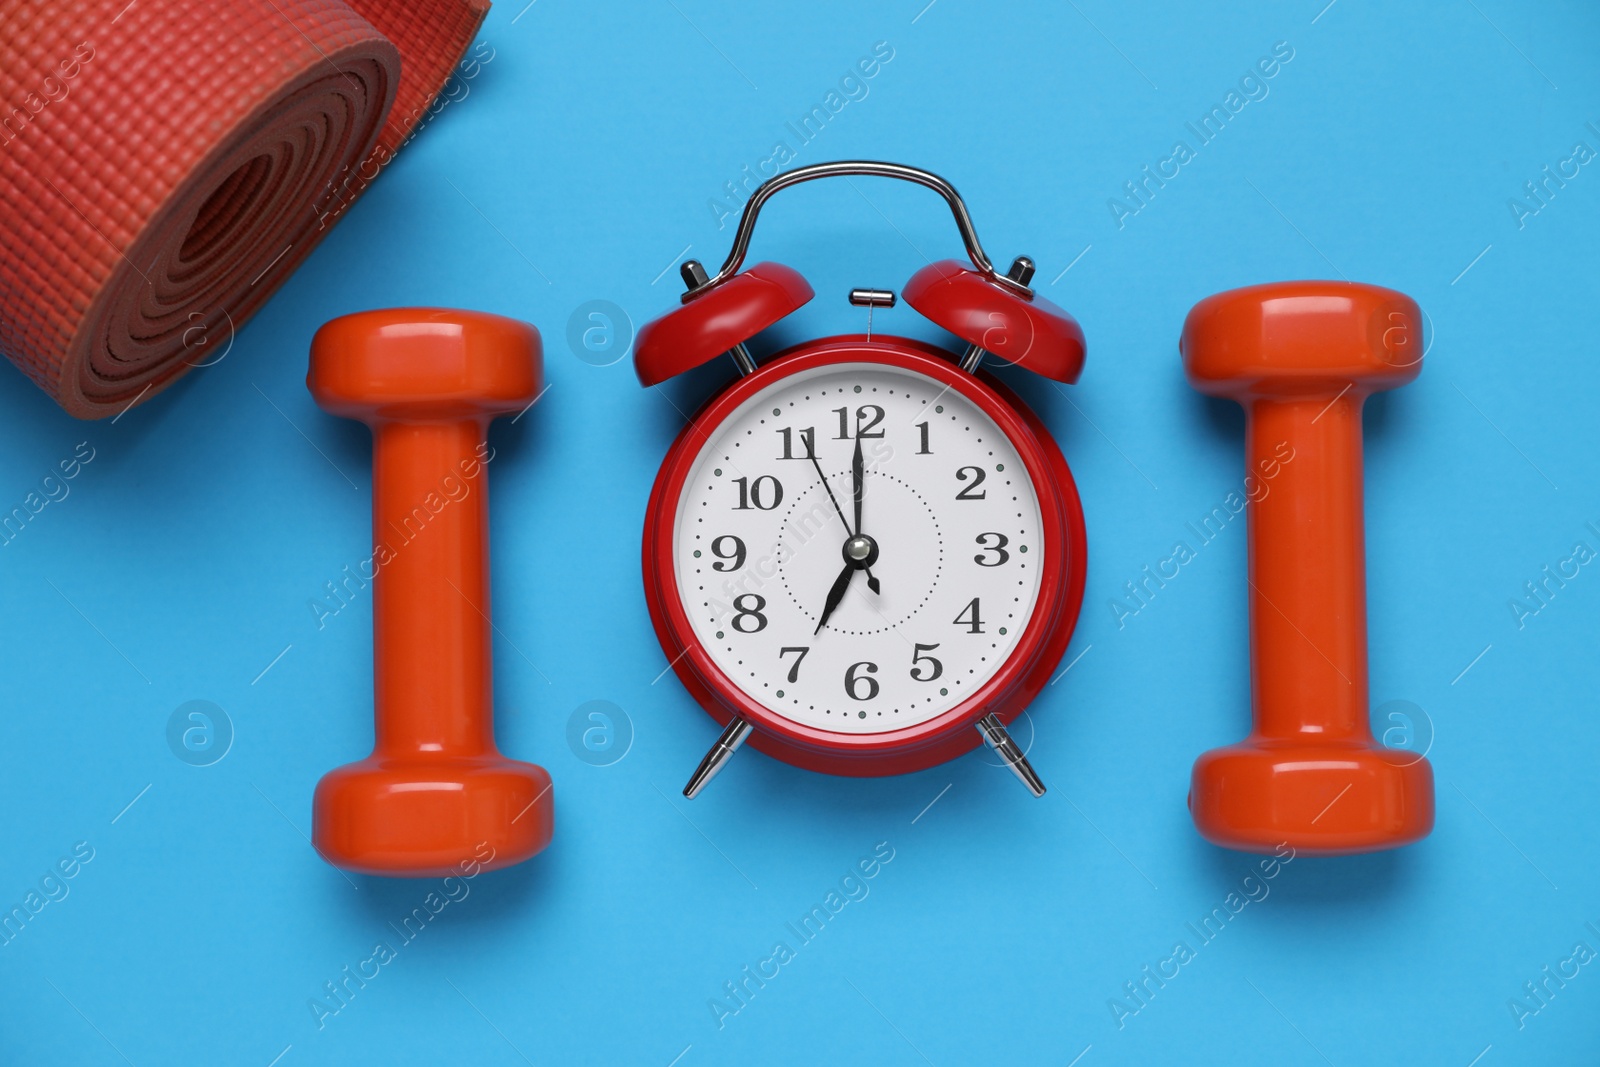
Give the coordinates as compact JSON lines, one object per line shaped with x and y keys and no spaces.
{"x":866,"y":554}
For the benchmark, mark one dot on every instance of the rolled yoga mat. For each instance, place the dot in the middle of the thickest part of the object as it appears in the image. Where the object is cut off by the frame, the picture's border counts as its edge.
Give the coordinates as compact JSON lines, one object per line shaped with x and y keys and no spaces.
{"x":166,"y":164}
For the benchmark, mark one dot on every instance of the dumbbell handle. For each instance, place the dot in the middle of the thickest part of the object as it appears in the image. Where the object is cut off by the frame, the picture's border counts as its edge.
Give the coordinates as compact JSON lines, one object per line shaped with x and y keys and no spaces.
{"x":1308,"y":609}
{"x":431,"y":634}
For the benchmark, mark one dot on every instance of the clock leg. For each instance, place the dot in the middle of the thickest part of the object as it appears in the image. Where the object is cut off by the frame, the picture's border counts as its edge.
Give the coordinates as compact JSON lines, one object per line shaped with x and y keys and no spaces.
{"x":995,"y":734}
{"x":721,"y":752}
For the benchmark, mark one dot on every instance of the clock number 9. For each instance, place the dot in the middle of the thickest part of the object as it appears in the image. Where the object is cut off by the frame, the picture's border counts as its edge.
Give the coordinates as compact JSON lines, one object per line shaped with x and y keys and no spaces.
{"x":851,"y":681}
{"x":977,"y":480}
{"x":917,"y":659}
{"x":736,"y":554}
{"x":741,"y":613}
{"x":982,"y":560}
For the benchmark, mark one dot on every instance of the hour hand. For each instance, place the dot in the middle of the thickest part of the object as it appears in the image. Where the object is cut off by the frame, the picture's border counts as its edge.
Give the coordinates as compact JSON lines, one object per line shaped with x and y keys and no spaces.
{"x":835,"y":595}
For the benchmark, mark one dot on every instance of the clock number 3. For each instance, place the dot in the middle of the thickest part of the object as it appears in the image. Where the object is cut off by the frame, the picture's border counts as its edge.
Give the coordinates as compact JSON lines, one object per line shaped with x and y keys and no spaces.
{"x":982,"y":559}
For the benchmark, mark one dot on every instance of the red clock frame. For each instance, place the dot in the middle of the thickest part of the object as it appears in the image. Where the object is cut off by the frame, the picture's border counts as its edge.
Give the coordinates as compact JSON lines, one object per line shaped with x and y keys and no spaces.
{"x":1006,"y":694}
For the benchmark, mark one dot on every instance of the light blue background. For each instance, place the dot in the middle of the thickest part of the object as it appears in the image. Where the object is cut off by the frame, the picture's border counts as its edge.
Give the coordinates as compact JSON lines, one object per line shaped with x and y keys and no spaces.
{"x":577,"y":168}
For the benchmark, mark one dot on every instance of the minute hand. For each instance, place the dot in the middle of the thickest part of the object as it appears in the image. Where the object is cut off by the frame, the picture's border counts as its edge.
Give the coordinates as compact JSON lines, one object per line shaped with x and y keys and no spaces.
{"x":858,"y":480}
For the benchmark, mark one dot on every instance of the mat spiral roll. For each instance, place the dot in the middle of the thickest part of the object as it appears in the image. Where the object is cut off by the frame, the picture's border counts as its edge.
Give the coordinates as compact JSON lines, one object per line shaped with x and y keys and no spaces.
{"x":166,"y":164}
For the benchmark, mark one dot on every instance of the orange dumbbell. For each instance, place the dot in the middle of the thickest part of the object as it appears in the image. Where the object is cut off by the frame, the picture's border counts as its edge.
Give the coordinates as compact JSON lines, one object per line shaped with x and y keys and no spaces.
{"x":435,"y":793}
{"x":1302,"y":357}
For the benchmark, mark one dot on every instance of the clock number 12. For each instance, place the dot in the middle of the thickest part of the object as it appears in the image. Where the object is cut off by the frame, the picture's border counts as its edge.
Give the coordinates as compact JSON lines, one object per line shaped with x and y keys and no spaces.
{"x":867,"y":416}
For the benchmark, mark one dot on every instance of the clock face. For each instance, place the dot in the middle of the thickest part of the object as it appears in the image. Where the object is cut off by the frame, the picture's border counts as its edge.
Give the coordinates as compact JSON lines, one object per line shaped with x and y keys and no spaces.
{"x":766,"y":541}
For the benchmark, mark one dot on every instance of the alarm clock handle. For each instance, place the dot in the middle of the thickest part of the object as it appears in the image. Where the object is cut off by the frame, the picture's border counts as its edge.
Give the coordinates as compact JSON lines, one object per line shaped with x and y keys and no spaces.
{"x":994,"y":733}
{"x":848,"y":168}
{"x":720,"y":753}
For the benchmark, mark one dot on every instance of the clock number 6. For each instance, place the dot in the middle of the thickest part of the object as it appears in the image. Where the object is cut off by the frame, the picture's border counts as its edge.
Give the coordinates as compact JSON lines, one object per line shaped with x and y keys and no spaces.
{"x":982,"y":560}
{"x":977,"y":479}
{"x":794,"y":672}
{"x":917,"y":658}
{"x":851,"y":680}
{"x":741,"y":613}
{"x":736,"y":555}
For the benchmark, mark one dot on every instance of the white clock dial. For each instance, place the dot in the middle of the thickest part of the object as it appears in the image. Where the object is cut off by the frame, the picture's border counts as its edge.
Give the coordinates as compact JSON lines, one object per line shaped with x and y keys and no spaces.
{"x":947,"y":503}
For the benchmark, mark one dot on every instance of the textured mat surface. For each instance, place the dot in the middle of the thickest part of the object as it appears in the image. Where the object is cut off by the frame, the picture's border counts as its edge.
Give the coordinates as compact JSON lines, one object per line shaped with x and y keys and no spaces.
{"x":166,"y":164}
